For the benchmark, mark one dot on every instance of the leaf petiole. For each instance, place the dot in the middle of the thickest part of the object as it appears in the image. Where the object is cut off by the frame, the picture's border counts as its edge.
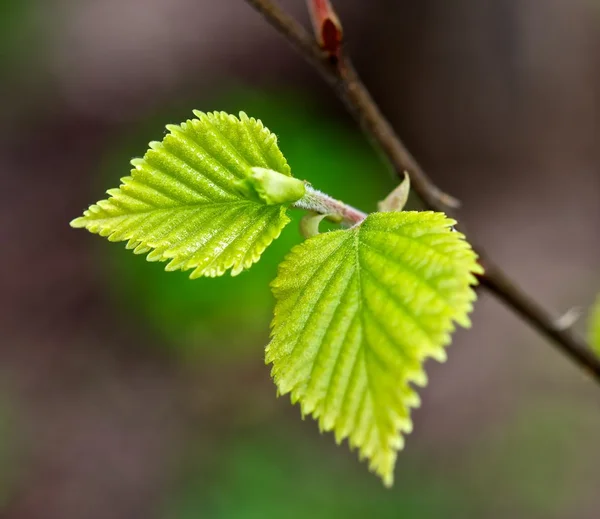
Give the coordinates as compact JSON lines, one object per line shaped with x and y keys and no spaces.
{"x":334,"y":210}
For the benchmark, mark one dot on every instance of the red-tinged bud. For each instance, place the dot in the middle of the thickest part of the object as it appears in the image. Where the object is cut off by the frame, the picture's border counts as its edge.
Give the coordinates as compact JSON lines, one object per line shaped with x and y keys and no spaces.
{"x":327,"y":26}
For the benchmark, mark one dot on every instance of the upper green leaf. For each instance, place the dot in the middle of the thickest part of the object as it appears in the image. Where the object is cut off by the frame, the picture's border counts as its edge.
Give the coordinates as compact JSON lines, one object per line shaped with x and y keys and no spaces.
{"x":186,"y":198}
{"x":594,"y":327}
{"x":358,"y":311}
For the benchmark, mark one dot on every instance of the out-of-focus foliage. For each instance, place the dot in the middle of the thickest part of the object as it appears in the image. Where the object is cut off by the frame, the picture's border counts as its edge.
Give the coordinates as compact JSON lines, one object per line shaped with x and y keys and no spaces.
{"x":358,"y":312}
{"x":530,"y":463}
{"x":594,"y":327}
{"x":14,"y":41}
{"x":263,"y":475}
{"x":197,"y":316}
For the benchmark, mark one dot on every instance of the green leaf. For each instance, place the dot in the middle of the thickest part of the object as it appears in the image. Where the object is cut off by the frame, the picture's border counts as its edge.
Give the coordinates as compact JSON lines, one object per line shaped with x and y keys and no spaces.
{"x":358,"y":312}
{"x":184,"y":203}
{"x":594,"y":327}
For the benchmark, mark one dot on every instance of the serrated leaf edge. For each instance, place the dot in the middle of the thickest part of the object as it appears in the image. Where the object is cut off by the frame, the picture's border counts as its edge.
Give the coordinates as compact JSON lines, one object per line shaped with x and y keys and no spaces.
{"x":415,"y":377}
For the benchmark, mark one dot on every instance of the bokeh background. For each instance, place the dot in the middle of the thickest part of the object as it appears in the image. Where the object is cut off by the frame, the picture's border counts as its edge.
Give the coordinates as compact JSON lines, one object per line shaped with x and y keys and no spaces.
{"x":127,"y":392}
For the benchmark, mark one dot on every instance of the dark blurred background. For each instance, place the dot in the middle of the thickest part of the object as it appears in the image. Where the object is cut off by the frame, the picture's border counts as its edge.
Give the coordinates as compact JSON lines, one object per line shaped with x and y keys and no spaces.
{"x":127,"y":392}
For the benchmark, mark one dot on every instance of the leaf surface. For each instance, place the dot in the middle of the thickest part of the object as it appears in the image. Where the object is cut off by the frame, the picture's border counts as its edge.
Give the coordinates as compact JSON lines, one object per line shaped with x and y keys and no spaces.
{"x":184,"y":201}
{"x":358,"y":312}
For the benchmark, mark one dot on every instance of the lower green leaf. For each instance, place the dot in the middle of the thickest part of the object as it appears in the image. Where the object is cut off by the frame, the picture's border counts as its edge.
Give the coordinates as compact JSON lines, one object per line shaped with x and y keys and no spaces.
{"x":358,"y":312}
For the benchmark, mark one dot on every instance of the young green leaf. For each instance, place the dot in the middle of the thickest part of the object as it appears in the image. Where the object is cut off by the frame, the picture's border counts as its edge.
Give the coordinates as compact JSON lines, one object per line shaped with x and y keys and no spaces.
{"x":358,"y":312}
{"x":195,"y":198}
{"x":594,"y":327}
{"x":397,"y":199}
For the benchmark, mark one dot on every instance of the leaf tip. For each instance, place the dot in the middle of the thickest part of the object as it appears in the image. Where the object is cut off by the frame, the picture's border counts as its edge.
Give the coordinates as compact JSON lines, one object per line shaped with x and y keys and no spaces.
{"x":174,"y":128}
{"x":387,"y":479}
{"x":477,"y":269}
{"x":78,"y":223}
{"x":198,"y":113}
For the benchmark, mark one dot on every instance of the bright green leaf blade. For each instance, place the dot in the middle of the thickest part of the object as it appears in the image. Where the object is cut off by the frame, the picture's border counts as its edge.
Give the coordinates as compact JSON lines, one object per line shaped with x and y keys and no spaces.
{"x":358,"y":311}
{"x":182,"y":202}
{"x":594,"y":327}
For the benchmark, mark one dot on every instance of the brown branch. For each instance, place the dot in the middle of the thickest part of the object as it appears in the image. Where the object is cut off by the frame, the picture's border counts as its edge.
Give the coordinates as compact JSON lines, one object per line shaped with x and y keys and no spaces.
{"x":341,"y":75}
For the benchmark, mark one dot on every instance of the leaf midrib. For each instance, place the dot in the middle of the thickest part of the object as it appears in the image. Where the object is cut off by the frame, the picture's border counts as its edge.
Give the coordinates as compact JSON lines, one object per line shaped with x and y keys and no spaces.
{"x":364,"y":344}
{"x":182,"y":206}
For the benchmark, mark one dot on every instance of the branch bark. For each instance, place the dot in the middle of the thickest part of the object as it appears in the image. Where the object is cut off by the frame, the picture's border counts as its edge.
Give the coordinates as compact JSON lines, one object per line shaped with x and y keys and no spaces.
{"x":341,"y":75}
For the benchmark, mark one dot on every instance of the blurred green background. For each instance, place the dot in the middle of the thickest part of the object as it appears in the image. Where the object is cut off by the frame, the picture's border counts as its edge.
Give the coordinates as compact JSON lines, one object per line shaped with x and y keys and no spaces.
{"x":128,"y":392}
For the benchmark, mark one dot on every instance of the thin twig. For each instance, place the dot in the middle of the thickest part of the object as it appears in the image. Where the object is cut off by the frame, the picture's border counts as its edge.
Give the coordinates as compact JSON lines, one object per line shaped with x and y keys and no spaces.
{"x":337,"y":211}
{"x":341,"y":75}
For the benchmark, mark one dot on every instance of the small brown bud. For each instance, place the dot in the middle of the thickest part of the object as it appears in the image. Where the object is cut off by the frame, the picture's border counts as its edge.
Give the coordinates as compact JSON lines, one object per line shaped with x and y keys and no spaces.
{"x":327,"y":26}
